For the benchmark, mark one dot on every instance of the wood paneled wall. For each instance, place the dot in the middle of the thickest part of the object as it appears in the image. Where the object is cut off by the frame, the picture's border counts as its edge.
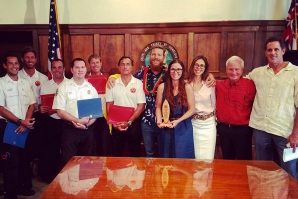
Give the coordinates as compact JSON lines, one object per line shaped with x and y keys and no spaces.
{"x":216,"y":40}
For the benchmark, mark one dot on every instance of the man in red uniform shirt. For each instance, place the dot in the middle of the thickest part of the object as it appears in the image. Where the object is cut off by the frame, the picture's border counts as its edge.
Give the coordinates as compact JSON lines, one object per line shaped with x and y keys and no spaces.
{"x":234,"y":100}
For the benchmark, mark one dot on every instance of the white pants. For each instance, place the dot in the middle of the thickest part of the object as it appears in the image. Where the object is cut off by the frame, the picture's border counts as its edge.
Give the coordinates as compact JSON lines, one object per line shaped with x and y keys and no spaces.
{"x":204,"y":136}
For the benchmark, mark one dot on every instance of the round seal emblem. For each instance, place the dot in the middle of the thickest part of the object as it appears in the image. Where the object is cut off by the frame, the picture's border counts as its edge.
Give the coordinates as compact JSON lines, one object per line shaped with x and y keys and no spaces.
{"x":170,"y":54}
{"x":37,"y":83}
{"x":133,"y":90}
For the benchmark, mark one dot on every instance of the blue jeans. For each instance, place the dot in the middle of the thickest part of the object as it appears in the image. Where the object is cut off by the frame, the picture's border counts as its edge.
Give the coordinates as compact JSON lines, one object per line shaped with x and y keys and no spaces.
{"x":150,"y":136}
{"x":264,"y":143}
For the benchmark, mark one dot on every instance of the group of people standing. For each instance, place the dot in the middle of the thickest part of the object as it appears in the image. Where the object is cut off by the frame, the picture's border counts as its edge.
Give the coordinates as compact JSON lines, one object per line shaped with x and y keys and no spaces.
{"x":262,"y":104}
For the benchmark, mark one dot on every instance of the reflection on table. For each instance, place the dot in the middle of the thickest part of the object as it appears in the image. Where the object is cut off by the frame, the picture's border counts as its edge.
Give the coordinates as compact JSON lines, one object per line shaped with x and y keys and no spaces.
{"x":111,"y":177}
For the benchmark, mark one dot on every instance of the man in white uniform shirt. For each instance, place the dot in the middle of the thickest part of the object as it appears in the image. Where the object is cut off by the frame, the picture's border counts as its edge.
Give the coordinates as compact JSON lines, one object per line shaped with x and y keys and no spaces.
{"x":128,"y":91}
{"x":16,"y":106}
{"x":35,"y":79}
{"x":49,"y":160}
{"x":77,"y":133}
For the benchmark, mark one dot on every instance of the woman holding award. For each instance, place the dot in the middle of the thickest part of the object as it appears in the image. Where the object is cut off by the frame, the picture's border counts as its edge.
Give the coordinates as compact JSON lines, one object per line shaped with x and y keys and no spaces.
{"x":174,"y":107}
{"x":203,"y":121}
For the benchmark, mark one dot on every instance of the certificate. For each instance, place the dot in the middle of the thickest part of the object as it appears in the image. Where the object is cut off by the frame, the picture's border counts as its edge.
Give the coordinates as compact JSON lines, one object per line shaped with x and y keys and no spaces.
{"x":98,"y":82}
{"x":13,"y":138}
{"x":119,"y":114}
{"x":47,"y":100}
{"x":91,"y":108}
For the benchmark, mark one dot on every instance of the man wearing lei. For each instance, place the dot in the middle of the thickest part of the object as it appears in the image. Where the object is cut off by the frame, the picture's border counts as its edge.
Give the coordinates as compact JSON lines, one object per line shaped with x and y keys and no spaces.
{"x":152,"y":76}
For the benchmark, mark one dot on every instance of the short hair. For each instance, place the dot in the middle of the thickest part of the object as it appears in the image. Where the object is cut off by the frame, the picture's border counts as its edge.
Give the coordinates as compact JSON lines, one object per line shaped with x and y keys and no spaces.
{"x":272,"y":39}
{"x":77,"y":59}
{"x":28,"y":49}
{"x":94,"y":56}
{"x":57,"y":59}
{"x":125,"y":57}
{"x":4,"y":59}
{"x":159,"y":47}
{"x":235,"y":58}
{"x":114,"y":71}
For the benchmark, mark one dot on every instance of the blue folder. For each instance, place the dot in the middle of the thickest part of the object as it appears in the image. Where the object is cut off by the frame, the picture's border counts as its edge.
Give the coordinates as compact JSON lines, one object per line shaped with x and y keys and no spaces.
{"x":91,"y":108}
{"x":11,"y":137}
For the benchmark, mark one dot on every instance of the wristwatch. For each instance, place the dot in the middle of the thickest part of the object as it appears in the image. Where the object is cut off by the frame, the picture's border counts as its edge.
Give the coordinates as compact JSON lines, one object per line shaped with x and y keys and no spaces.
{"x":19,"y":121}
{"x":86,"y":127}
{"x":129,"y":123}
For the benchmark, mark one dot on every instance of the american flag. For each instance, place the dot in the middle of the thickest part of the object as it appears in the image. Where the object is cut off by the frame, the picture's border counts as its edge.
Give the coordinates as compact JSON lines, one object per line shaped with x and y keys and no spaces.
{"x":54,"y":48}
{"x":290,"y":32}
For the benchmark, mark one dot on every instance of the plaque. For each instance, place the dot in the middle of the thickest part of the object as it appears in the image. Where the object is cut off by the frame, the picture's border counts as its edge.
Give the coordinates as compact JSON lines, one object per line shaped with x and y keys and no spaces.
{"x":166,"y":114}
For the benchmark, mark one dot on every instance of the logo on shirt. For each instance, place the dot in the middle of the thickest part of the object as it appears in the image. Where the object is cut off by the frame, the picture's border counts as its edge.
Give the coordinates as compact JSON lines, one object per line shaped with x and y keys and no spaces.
{"x":56,"y":92}
{"x":133,"y":90}
{"x":170,"y":54}
{"x":37,"y":83}
{"x":89,"y":92}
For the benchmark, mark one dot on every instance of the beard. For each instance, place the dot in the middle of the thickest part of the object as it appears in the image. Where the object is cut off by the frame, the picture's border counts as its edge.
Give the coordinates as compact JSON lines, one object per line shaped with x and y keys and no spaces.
{"x":156,"y":67}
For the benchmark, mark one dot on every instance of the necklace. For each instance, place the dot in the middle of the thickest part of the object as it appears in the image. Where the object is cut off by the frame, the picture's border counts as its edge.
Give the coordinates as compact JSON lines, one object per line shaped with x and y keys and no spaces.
{"x":146,"y":84}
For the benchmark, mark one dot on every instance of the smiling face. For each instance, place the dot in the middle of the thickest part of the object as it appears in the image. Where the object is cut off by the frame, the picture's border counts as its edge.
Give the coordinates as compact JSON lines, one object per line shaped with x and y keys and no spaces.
{"x":12,"y":66}
{"x":176,"y":71}
{"x":234,"y":70}
{"x":57,"y":69}
{"x":156,"y":58}
{"x":29,"y":60}
{"x":199,"y":67}
{"x":95,"y":65}
{"x":79,"y":70}
{"x":274,"y":53}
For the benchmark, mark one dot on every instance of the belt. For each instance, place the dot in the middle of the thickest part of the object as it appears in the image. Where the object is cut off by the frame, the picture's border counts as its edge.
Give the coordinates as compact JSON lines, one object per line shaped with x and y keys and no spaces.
{"x":202,"y":117}
{"x":232,"y":125}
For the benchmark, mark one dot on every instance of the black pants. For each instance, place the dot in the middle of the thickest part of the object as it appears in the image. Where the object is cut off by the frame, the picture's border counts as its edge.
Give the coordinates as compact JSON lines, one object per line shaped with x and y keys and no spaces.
{"x":131,"y":137}
{"x":50,"y":158}
{"x":75,"y":142}
{"x":35,"y":139}
{"x":16,"y":166}
{"x":101,"y":138}
{"x":235,"y":141}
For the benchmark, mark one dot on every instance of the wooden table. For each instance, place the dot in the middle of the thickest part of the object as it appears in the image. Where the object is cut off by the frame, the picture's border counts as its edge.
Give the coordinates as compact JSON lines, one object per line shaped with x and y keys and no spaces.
{"x":110,"y":177}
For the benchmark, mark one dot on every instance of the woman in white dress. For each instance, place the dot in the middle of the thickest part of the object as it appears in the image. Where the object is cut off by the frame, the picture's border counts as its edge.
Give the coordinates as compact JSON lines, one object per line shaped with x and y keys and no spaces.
{"x":203,"y":121}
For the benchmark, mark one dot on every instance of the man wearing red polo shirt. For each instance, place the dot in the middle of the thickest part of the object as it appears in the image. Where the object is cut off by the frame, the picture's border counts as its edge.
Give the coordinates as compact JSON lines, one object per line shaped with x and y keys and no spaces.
{"x":234,"y":100}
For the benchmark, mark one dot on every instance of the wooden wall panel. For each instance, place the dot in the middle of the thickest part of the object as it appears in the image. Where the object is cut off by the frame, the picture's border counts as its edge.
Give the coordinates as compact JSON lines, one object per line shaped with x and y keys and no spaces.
{"x":180,"y":42}
{"x":111,"y":49}
{"x":80,"y":46}
{"x":138,"y":43}
{"x":209,"y":45}
{"x":43,"y":53}
{"x":216,"y":40}
{"x":242,"y":45}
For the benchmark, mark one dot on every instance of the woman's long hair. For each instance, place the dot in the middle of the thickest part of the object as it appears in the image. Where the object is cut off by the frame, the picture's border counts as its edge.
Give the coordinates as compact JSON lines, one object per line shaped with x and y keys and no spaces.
{"x":192,"y":75}
{"x":169,"y":92}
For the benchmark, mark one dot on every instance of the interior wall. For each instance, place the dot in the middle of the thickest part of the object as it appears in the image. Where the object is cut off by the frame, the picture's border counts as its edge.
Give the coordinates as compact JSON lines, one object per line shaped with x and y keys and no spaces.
{"x":141,"y":11}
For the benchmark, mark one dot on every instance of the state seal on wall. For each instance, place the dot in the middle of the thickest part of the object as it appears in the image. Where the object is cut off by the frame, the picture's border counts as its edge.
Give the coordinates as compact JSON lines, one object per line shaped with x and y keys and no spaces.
{"x":171,"y":53}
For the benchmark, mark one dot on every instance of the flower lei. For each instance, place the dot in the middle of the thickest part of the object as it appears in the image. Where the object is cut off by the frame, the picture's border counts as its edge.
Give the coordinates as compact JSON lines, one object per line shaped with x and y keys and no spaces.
{"x":146,"y":82}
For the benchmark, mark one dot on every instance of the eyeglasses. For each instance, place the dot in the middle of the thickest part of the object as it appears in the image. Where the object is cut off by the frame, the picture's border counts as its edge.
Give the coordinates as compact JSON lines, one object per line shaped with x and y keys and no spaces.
{"x":199,"y":66}
{"x":177,"y":70}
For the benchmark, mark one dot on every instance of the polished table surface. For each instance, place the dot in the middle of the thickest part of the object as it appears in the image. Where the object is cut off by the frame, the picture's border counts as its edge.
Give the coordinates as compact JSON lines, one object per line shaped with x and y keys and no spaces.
{"x":110,"y":177}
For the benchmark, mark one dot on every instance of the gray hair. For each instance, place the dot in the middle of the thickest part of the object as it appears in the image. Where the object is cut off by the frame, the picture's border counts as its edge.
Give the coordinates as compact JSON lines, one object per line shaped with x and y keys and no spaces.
{"x":235,"y":58}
